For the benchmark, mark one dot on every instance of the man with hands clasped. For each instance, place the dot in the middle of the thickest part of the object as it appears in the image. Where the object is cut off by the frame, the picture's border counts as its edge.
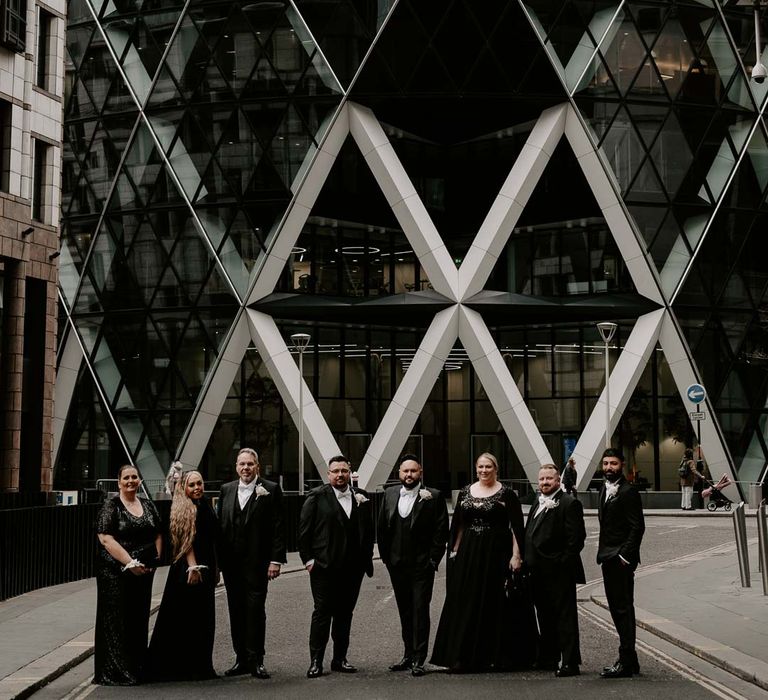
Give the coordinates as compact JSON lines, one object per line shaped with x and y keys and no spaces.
{"x":252,"y":549}
{"x":336,"y":547}
{"x":412,"y":532}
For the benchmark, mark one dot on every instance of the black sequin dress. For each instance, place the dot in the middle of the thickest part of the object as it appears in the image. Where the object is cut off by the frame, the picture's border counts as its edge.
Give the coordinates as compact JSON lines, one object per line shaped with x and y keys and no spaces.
{"x":480,"y":626}
{"x":123,"y":599}
{"x":182,"y":640}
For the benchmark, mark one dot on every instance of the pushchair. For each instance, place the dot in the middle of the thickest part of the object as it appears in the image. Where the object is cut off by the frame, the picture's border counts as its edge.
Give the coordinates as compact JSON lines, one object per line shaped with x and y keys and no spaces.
{"x":716,"y":497}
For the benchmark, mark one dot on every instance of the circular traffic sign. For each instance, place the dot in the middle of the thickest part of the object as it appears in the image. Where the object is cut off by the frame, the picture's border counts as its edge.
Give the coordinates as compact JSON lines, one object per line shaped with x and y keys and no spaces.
{"x":696,"y":393}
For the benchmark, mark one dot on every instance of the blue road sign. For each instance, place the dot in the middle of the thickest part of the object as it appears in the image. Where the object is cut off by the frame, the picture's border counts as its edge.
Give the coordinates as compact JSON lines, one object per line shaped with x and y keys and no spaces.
{"x":696,"y":393}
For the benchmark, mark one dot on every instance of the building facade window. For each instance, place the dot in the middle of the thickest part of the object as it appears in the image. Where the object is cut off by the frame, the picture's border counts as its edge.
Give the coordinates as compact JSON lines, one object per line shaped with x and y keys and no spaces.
{"x":41,"y":184}
{"x":13,"y":24}
{"x":45,"y":36}
{"x":6,"y":121}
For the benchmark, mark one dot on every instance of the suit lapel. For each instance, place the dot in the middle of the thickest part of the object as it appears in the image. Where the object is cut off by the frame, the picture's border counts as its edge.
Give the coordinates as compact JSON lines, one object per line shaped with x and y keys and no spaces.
{"x":250,"y":505}
{"x":417,"y":508}
{"x":336,"y":506}
{"x":230,"y":504}
{"x":393,"y":498}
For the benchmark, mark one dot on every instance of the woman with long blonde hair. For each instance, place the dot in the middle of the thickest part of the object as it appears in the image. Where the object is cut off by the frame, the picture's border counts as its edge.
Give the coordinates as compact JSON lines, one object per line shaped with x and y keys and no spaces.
{"x":182,"y":641}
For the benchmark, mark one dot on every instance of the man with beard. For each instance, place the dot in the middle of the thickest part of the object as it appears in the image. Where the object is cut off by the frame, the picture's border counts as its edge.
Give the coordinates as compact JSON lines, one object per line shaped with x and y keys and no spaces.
{"x":412,"y":532}
{"x":621,"y":530}
{"x":336,"y":546}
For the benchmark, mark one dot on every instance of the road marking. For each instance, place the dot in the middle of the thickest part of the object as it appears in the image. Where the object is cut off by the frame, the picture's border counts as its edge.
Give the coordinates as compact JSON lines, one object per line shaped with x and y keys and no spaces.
{"x":685,"y":671}
{"x":81,"y":691}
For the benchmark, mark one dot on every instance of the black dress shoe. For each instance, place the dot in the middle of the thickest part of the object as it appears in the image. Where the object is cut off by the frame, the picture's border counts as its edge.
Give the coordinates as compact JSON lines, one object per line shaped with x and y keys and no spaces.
{"x":618,"y":670}
{"x":260,"y":672}
{"x":403,"y":665}
{"x":315,"y":669}
{"x":342,"y":666}
{"x":566,"y":671}
{"x":418,"y":670}
{"x":237,"y":670}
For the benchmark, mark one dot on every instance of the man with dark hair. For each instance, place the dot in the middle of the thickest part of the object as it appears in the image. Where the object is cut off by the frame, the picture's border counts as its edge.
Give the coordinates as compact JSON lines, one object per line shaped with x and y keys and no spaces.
{"x":412,"y":532}
{"x":251,"y":550}
{"x":621,"y":531}
{"x":554,"y":538}
{"x":336,"y":546}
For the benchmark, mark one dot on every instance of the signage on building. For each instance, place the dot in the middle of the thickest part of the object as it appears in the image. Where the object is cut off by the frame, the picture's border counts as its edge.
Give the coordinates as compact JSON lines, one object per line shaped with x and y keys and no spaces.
{"x":696,"y":393}
{"x":698,"y":415}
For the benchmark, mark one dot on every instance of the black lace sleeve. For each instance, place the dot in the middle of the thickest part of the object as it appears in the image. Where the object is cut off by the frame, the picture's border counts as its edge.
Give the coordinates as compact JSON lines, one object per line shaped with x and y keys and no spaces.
{"x":515,"y":515}
{"x":106,"y":523}
{"x":152,"y":513}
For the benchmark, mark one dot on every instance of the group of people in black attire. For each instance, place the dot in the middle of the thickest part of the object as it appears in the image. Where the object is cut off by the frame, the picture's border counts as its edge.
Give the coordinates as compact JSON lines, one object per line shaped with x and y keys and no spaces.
{"x":510,"y":584}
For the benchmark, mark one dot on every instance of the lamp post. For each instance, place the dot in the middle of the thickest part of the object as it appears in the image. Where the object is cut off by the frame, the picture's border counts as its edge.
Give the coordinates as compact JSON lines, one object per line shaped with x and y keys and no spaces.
{"x":300,"y":342}
{"x":607,"y":329}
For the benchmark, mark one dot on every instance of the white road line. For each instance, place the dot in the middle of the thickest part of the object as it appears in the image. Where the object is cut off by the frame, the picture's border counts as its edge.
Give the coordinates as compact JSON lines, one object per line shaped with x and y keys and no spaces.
{"x":81,"y":691}
{"x":685,"y":671}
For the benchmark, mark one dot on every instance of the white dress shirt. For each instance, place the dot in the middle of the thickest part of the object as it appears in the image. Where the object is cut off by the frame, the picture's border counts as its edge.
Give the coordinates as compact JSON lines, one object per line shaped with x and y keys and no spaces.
{"x":345,"y":498}
{"x":244,"y":492}
{"x":407,"y":500}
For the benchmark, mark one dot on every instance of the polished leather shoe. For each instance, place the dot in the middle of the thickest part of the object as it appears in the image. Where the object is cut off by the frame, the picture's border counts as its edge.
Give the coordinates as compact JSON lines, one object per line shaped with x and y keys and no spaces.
{"x":634,"y":666}
{"x":418,"y":670}
{"x":237,"y":670}
{"x":260,"y":672}
{"x":566,"y":671}
{"x":315,"y":669}
{"x":342,"y":666}
{"x":618,"y":670}
{"x":403,"y":665}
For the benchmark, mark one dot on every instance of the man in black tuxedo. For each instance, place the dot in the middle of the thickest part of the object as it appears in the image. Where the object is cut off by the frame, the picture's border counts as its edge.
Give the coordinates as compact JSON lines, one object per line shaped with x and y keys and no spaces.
{"x":251,"y":551}
{"x":620,"y":512}
{"x":554,"y":537}
{"x":336,"y":546}
{"x":412,"y":532}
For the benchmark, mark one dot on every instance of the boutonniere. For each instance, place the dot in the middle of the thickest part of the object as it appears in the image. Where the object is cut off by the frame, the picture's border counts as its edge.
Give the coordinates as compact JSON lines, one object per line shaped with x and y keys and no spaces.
{"x":425,"y":495}
{"x":549,"y":504}
{"x":361,"y":499}
{"x":261,"y":491}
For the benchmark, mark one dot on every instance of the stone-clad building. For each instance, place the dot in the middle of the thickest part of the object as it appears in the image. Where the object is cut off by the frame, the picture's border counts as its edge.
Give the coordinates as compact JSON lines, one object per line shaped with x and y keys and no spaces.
{"x":31,"y":90}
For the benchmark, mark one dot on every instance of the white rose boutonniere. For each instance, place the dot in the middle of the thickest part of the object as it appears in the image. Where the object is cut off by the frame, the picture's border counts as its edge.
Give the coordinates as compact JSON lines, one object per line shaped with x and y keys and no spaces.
{"x":361,"y":499}
{"x":261,"y":491}
{"x":425,"y":495}
{"x":549,"y":504}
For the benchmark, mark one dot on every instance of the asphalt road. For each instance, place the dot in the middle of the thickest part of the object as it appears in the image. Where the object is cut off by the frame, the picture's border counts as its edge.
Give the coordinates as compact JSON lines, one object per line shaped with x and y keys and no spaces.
{"x":666,"y":672}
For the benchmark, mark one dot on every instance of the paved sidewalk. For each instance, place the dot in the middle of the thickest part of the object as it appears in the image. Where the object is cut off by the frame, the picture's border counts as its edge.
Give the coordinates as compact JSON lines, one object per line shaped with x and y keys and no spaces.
{"x":695,"y":602}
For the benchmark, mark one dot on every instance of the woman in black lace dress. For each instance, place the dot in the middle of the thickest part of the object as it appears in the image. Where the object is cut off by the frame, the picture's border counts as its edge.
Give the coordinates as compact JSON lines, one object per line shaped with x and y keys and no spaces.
{"x":182,"y":641}
{"x":482,"y":628}
{"x":128,"y":529}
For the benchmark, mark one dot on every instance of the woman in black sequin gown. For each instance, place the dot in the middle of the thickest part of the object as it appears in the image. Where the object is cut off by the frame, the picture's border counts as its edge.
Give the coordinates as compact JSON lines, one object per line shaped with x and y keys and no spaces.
{"x":481,"y":628}
{"x":182,"y":640}
{"x":128,"y":529}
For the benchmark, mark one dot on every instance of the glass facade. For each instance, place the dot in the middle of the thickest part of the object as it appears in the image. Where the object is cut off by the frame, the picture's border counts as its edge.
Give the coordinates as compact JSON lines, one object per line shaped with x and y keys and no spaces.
{"x":189,"y":135}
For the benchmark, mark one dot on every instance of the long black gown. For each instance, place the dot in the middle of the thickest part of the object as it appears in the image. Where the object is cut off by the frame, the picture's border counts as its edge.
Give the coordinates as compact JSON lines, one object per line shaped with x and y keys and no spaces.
{"x":182,"y":640}
{"x":123,"y":599}
{"x":482,"y":627}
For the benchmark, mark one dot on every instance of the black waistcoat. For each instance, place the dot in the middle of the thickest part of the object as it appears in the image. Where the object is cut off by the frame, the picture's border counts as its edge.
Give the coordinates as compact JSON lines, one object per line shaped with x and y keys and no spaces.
{"x":402,"y":553}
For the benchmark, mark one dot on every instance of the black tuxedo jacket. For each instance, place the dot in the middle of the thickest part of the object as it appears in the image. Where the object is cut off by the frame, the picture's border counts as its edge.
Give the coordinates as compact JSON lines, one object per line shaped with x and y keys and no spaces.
{"x":621,"y":525}
{"x":261,"y":531}
{"x":323,"y":529}
{"x":429,"y":527}
{"x":555,"y":538}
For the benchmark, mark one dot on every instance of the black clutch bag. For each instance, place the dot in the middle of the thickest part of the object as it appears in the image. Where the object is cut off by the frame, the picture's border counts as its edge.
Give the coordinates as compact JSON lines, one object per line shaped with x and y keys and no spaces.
{"x":147,"y":555}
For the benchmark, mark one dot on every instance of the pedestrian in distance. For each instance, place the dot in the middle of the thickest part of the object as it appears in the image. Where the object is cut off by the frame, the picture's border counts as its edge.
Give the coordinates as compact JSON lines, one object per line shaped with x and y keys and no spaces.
{"x":252,"y":551}
{"x":130,"y":545}
{"x":569,"y":477}
{"x":336,"y":547}
{"x":412,"y":532}
{"x":554,"y":538}
{"x":182,"y":640}
{"x":689,"y":475}
{"x":620,"y":513}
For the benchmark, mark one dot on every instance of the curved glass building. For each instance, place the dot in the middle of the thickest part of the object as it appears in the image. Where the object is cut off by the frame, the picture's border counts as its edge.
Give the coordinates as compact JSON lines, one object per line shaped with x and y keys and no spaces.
{"x":447,"y":197}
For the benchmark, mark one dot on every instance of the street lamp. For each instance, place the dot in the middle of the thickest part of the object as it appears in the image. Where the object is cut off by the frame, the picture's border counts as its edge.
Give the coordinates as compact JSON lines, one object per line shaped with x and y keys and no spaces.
{"x":300,"y":342}
{"x":607,"y":329}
